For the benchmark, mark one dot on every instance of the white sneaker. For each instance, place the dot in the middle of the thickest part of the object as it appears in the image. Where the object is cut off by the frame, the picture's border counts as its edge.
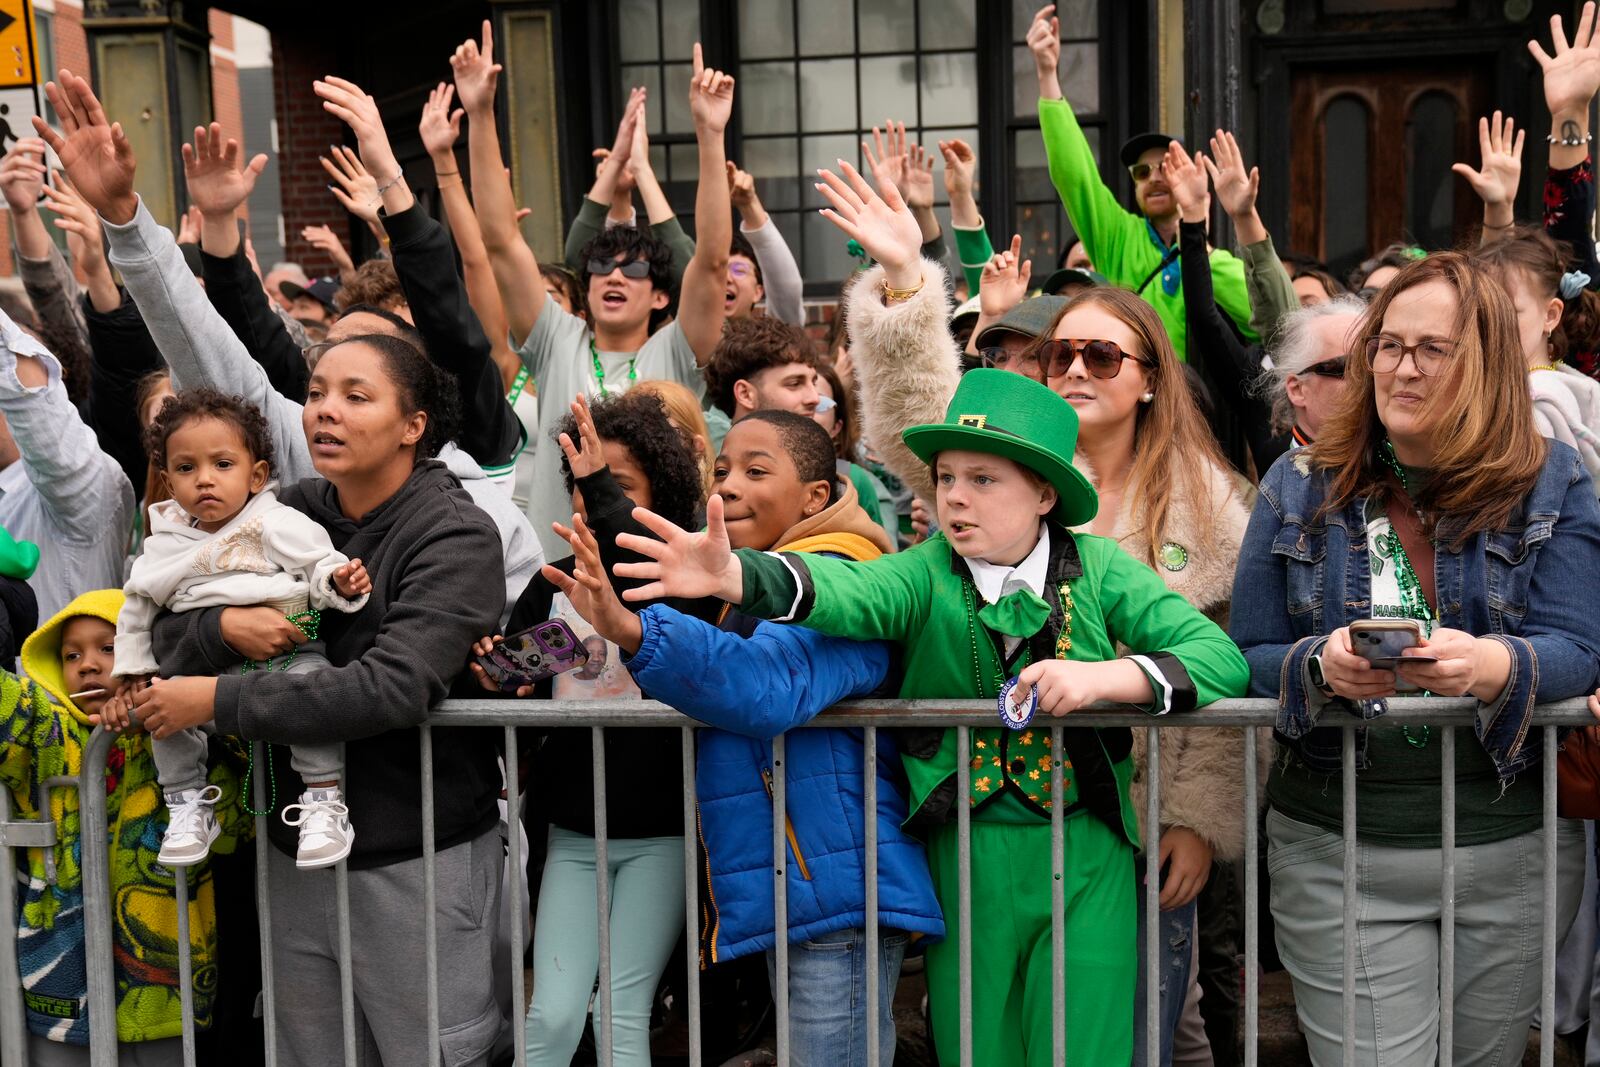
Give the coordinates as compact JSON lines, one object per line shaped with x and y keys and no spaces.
{"x":191,"y":827}
{"x":325,"y":831}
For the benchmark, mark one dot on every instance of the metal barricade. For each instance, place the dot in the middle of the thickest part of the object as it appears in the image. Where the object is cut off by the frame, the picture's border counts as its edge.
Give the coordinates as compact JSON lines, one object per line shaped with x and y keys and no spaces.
{"x":1444,"y":715}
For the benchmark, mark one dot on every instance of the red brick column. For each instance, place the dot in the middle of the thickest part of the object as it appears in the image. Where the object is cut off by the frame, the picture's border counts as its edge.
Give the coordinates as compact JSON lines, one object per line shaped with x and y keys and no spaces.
{"x":305,"y":131}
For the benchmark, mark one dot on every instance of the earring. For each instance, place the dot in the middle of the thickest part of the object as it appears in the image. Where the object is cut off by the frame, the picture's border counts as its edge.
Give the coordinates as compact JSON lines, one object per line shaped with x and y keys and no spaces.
{"x":1146,"y":398}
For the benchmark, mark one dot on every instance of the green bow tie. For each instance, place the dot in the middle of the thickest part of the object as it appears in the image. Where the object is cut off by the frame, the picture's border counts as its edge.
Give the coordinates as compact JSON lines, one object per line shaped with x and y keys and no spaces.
{"x":1020,"y":613}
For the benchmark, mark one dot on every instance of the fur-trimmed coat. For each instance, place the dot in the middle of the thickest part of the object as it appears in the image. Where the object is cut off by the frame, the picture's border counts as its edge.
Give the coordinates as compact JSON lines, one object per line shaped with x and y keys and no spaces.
{"x":907,"y":368}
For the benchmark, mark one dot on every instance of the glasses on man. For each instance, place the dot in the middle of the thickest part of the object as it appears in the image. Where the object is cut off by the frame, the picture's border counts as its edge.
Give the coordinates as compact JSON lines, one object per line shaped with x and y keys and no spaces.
{"x":1102,"y":359}
{"x":631,"y":268}
{"x":1023,"y":362}
{"x":1329,"y":368}
{"x":1142,"y":172}
{"x":738,"y":268}
{"x":1387,"y":353}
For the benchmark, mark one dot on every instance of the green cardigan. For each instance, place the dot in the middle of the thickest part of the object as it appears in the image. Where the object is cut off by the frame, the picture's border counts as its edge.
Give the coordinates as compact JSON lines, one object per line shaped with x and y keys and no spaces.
{"x":920,"y":600}
{"x":1121,"y":244}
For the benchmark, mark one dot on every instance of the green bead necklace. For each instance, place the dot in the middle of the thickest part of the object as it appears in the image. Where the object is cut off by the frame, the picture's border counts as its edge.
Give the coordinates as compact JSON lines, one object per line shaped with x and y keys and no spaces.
{"x":600,"y":372}
{"x":1413,"y":604}
{"x":308,"y":622}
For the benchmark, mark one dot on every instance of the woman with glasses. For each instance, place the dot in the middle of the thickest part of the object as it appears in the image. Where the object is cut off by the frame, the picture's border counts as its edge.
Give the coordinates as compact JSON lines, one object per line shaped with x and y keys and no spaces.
{"x":1428,"y":498}
{"x":1306,"y":379}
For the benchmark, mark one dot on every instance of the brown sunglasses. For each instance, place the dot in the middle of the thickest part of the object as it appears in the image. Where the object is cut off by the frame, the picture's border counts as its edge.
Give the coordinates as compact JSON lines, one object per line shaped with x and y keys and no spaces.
{"x":1102,"y":359}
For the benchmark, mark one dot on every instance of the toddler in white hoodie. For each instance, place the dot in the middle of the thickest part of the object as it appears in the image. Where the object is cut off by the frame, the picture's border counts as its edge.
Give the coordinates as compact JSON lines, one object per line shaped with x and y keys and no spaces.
{"x":224,"y":540}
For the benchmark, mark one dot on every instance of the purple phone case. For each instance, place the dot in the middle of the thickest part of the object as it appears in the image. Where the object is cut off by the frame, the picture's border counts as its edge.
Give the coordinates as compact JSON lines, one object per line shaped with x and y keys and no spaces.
{"x":537,"y":653}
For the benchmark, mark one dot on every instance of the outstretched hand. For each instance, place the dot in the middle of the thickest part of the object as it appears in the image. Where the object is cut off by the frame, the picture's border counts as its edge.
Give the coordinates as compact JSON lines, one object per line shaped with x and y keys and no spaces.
{"x":1188,"y":180}
{"x":591,"y":458}
{"x":883,"y":225}
{"x":440,"y":127}
{"x":324,"y":240}
{"x":1236,"y":185}
{"x":94,"y":151}
{"x":1044,"y":41}
{"x":589,"y":589}
{"x":476,"y":72}
{"x":217,"y":183}
{"x":1500,"y":172}
{"x":348,"y":102}
{"x":1572,"y":75}
{"x":959,"y":163}
{"x":683,"y":564}
{"x":710,"y":95}
{"x":22,"y":175}
{"x":352,"y":580}
{"x":354,"y":188}
{"x":79,"y":221}
{"x":1005,"y":280}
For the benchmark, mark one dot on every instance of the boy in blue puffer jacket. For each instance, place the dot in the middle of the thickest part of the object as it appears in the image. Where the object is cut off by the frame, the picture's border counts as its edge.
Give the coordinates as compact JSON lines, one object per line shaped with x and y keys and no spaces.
{"x":754,"y":680}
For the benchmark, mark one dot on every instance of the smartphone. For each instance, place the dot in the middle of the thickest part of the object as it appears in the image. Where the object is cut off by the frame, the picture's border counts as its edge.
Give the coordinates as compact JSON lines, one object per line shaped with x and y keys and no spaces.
{"x":537,"y":653}
{"x":1380,"y":642}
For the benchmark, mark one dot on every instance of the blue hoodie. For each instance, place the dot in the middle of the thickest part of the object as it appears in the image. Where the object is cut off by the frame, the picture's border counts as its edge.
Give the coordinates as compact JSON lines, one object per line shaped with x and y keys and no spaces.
{"x":754,"y":688}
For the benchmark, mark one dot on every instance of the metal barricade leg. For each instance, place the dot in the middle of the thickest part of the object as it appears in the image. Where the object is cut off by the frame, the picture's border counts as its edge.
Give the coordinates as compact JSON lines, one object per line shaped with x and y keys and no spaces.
{"x":185,"y":964}
{"x":1058,"y":905}
{"x":96,"y":865}
{"x":602,"y":895}
{"x":1447,"y":895}
{"x":13,"y":1020}
{"x":1252,"y":904}
{"x":519,"y":1006}
{"x":691,"y":896}
{"x":780,"y":897}
{"x":869,"y":825}
{"x":1348,"y":896}
{"x":964,"y":886}
{"x":1547,"y":964}
{"x":258,"y":800}
{"x":430,"y":897}
{"x":1152,"y":897}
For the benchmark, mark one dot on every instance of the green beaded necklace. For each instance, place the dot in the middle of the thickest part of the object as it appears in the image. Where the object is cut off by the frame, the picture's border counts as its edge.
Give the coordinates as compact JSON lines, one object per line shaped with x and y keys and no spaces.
{"x":1413,"y":604}
{"x":308,"y":622}
{"x":600,"y":372}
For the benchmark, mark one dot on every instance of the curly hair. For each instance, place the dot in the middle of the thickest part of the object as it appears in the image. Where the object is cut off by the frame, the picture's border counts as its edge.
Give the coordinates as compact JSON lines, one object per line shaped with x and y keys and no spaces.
{"x":374,"y":282}
{"x":808,"y":444}
{"x":748,"y":347}
{"x":638,"y":421}
{"x":192,"y":405}
{"x":423,"y":386}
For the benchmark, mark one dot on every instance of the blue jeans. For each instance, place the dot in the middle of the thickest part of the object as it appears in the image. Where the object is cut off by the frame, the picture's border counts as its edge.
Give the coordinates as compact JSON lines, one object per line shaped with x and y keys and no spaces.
{"x":828,"y":997}
{"x":1176,"y":950}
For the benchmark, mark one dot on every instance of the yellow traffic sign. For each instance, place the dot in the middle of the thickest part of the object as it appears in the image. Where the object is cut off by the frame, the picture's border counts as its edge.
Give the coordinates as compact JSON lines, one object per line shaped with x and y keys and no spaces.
{"x":17,"y":66}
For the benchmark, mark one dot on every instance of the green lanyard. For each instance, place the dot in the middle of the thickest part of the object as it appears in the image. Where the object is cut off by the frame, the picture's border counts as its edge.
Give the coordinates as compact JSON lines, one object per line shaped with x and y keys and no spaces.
{"x":600,"y":372}
{"x":1412,"y":601}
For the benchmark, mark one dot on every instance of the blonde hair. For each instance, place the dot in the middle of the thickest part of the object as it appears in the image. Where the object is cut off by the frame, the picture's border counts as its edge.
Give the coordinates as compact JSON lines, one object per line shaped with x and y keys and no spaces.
{"x":1487,"y":452}
{"x":684,"y":411}
{"x":1173,"y":449}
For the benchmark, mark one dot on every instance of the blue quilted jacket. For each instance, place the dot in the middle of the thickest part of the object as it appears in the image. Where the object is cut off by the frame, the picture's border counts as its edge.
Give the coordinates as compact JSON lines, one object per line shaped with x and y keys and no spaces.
{"x":753,"y":687}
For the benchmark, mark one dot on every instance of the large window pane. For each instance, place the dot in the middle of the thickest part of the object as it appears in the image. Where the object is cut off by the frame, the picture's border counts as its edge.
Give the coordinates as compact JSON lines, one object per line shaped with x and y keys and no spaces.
{"x":887,"y":25}
{"x":947,"y":24}
{"x":1079,"y":18}
{"x":637,"y":30}
{"x":950,"y":89}
{"x":1344,"y":182}
{"x":828,"y":28}
{"x":675,"y":93}
{"x":765,"y":97}
{"x":680,"y":29}
{"x":766,"y":28}
{"x":1431,"y":186}
{"x":828,"y":94}
{"x":1044,"y":230}
{"x":888,"y":90}
{"x":774,"y":163}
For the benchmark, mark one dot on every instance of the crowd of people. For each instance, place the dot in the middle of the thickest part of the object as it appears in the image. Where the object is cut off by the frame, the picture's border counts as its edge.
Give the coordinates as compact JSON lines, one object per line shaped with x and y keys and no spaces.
{"x":260,"y":507}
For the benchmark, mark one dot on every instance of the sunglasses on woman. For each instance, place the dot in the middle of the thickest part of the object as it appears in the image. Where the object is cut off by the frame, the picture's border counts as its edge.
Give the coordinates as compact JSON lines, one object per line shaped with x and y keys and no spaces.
{"x":1328,"y":368}
{"x":1102,"y":359}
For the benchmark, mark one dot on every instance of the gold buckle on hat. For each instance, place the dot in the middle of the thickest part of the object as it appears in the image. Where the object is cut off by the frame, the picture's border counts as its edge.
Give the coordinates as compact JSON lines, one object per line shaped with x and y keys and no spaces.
{"x":977,"y":422}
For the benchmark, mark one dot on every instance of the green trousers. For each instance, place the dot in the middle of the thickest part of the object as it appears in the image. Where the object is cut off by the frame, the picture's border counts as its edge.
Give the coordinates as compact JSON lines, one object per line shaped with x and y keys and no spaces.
{"x":1011,"y":945}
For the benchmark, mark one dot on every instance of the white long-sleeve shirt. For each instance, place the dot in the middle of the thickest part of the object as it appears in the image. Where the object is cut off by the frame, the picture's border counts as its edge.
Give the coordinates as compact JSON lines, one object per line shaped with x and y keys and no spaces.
{"x":64,"y":494}
{"x":780,"y":274}
{"x":269,"y":553}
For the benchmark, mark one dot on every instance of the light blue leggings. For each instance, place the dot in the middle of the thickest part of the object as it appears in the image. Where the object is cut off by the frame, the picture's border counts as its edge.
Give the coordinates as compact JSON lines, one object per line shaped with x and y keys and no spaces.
{"x":646,"y":918}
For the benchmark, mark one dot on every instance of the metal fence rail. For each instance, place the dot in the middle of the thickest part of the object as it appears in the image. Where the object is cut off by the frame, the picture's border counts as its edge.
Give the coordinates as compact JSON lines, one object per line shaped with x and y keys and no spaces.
{"x":1446,"y":715}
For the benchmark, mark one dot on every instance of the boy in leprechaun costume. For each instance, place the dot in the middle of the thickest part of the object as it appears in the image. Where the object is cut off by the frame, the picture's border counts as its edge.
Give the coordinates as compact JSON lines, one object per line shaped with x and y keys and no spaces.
{"x":1005,"y":590}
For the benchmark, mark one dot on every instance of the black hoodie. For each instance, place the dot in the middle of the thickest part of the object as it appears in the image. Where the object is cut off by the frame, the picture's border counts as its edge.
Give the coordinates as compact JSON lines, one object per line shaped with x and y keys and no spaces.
{"x":437,"y":585}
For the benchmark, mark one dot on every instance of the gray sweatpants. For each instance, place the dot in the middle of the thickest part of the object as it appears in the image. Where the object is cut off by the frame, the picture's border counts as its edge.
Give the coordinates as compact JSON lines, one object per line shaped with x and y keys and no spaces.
{"x":181,"y":757}
{"x":388,"y":954}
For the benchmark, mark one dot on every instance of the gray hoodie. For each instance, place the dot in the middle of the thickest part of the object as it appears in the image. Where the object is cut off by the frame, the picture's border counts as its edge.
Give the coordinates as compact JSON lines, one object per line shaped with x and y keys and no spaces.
{"x":201,"y":350}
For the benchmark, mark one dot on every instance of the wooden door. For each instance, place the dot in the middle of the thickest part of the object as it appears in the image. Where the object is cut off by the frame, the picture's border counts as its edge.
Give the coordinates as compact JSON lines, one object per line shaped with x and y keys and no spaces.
{"x":1371,"y":155}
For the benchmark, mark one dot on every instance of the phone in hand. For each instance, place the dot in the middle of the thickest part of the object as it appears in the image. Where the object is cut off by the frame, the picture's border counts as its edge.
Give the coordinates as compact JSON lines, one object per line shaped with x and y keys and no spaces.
{"x":1381,"y":641}
{"x":537,"y":653}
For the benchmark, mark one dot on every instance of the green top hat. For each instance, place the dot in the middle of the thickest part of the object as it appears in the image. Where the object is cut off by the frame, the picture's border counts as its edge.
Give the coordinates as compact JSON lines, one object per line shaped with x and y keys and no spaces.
{"x":1005,"y":414}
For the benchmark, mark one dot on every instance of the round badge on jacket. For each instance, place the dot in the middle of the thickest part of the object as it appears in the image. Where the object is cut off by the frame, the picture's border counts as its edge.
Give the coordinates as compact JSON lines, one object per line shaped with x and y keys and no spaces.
{"x":1016,"y":716}
{"x":1173,"y":556}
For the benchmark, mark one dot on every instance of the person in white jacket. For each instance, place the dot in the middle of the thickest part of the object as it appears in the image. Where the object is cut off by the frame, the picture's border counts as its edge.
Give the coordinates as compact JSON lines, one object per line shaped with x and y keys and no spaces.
{"x":225,"y":540}
{"x":1532,"y":268}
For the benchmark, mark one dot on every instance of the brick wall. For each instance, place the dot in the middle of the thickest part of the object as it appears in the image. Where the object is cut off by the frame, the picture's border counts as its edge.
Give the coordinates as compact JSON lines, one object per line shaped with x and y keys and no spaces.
{"x":305,"y":132}
{"x":225,"y":82}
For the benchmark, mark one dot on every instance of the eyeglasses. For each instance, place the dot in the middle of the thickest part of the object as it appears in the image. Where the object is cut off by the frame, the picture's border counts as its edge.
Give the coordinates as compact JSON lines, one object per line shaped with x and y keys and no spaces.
{"x":738,"y":268}
{"x":1141,"y":172}
{"x":631,"y":268}
{"x":312,"y":353}
{"x":1024,"y":362}
{"x":1328,"y":368}
{"x":1387,"y":353}
{"x":1102,"y":359}
{"x":825,"y":404}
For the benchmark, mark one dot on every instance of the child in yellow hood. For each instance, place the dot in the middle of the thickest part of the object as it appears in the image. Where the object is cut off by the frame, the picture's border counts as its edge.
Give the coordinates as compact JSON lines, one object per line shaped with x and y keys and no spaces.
{"x":43,"y":732}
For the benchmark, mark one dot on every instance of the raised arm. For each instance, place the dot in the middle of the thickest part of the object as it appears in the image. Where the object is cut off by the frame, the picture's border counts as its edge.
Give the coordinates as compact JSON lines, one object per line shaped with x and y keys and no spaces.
{"x":1499,"y":173}
{"x":780,"y":274}
{"x":516,"y":268}
{"x":701,"y":306}
{"x":973,"y":249}
{"x":597,"y":211}
{"x":1267,"y":283}
{"x":1002,"y":286}
{"x":664,"y":224}
{"x":1571,"y":78}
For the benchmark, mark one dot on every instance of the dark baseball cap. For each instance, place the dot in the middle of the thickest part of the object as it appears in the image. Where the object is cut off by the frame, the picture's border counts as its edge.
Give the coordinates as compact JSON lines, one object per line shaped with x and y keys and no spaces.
{"x":1140,"y":143}
{"x":321,"y":290}
{"x":1030,"y":318}
{"x":1067,"y":275}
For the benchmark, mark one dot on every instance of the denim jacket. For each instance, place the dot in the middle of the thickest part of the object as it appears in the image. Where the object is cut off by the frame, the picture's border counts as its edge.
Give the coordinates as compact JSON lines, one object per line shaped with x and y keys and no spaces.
{"x":1526,"y":585}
